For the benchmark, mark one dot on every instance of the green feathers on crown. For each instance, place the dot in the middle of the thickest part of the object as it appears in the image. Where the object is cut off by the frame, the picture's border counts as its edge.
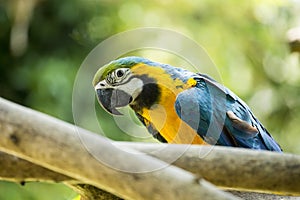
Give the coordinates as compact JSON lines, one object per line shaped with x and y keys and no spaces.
{"x":126,"y":62}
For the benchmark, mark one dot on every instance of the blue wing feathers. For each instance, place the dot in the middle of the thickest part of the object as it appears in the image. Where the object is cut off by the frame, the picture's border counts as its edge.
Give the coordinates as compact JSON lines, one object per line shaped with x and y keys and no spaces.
{"x":205,"y":108}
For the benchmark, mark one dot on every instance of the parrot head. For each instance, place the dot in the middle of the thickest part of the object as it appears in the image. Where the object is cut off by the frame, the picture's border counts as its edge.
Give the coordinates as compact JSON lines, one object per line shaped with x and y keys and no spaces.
{"x":118,"y":85}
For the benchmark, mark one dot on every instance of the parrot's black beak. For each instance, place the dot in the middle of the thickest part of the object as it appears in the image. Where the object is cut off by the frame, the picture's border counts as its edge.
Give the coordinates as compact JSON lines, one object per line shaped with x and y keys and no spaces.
{"x":110,"y":99}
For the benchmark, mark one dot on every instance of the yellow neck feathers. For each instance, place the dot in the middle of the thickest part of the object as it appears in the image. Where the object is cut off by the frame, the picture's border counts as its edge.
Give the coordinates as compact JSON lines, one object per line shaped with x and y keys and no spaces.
{"x":163,"y":115}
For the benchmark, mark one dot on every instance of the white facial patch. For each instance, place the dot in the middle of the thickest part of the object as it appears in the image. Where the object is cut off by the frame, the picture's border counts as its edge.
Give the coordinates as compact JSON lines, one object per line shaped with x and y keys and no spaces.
{"x":133,"y":87}
{"x":102,"y":85}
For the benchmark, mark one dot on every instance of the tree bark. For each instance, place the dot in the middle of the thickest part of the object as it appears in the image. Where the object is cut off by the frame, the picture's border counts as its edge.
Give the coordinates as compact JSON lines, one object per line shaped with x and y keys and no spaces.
{"x":72,"y":151}
{"x":238,"y":168}
{"x":19,"y":170}
{"x":226,"y":167}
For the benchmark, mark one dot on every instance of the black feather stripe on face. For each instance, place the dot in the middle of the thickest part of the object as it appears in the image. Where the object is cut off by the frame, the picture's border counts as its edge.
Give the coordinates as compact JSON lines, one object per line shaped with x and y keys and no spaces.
{"x":149,"y":96}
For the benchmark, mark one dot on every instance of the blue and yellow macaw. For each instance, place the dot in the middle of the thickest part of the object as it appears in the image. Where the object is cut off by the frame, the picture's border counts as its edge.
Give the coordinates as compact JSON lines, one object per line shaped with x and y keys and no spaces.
{"x":179,"y":106}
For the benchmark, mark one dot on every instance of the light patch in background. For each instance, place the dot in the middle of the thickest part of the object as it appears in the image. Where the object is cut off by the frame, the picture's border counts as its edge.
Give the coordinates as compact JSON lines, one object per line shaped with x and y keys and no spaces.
{"x":292,"y":69}
{"x":275,"y":68}
{"x":263,"y":102}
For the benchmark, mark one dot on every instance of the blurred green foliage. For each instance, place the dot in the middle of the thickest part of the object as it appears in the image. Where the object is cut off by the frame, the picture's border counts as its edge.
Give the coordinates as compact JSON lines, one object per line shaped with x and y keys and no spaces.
{"x":32,"y":191}
{"x":245,"y":39}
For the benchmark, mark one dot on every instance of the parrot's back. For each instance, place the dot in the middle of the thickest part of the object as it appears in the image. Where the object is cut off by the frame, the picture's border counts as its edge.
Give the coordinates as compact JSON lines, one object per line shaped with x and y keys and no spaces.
{"x":222,"y":118}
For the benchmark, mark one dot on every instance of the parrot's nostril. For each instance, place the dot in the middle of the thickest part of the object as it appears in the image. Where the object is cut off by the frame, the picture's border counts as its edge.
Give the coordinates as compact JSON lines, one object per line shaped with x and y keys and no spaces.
{"x":102,"y":84}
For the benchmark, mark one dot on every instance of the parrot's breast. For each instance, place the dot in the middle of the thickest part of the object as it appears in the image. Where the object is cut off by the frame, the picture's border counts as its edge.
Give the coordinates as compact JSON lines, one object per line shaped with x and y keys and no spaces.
{"x":169,"y":125}
{"x":162,"y":114}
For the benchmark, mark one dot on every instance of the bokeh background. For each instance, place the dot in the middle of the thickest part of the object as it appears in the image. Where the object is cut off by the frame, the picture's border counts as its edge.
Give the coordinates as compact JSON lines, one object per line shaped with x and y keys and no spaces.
{"x":44,"y":42}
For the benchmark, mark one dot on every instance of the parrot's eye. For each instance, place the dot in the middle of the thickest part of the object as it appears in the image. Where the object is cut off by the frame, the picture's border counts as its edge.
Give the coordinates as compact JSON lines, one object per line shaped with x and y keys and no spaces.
{"x":117,"y":76}
{"x":120,"y":73}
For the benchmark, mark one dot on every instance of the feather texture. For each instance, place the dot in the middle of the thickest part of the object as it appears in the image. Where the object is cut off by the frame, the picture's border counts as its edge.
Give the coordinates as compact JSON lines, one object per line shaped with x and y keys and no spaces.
{"x":223,"y":119}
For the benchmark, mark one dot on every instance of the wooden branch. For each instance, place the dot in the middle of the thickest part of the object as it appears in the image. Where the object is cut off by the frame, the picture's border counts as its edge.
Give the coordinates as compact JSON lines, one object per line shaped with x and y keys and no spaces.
{"x":261,"y":196}
{"x":15,"y":169}
{"x":61,"y":147}
{"x":241,"y":169}
{"x":19,"y":170}
{"x":192,"y":158}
